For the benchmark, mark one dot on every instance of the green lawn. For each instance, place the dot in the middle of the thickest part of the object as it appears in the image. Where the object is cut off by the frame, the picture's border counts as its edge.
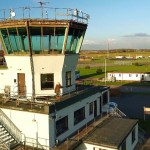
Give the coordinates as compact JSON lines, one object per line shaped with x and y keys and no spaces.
{"x":91,"y":73}
{"x":84,"y":73}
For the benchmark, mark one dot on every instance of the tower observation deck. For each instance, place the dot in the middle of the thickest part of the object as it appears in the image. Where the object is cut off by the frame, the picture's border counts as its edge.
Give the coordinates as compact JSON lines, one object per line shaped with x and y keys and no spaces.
{"x":59,"y":30}
{"x":41,"y":46}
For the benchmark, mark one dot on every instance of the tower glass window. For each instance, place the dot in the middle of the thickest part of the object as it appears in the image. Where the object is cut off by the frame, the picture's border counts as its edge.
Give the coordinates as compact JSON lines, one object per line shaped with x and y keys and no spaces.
{"x":47,"y":81}
{"x":14,"y":39}
{"x":75,"y":37}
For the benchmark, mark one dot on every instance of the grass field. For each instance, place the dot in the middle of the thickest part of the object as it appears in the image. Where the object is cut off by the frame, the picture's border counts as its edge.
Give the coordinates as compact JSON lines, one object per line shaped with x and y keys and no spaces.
{"x":88,"y":67}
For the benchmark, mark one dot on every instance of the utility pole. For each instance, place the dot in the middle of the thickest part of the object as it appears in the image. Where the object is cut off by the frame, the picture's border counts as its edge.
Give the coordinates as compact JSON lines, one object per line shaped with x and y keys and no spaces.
{"x":105,"y":71}
{"x":108,"y":50}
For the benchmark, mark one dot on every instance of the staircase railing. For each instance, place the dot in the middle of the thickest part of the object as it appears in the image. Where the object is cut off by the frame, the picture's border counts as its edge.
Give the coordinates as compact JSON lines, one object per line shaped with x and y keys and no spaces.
{"x":117,"y":112}
{"x":10,"y":126}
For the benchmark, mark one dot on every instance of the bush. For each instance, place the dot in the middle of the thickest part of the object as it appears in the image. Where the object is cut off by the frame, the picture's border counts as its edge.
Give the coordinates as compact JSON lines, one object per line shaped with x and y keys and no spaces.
{"x":87,"y":67}
{"x":137,"y":64}
{"x":99,"y":71}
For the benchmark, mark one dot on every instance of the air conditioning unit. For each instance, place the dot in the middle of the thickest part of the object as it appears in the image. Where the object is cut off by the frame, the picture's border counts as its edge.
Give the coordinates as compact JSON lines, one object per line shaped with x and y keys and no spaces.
{"x":7,"y":89}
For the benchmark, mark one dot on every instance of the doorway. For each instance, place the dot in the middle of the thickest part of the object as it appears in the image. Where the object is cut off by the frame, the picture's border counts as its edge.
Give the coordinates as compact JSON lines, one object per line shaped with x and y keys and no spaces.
{"x":95,"y":108}
{"x":21,"y":84}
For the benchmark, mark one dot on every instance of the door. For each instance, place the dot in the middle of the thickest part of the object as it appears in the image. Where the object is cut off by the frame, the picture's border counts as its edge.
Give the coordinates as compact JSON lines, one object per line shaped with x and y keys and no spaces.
{"x":21,"y":84}
{"x":100,"y":104}
{"x":95,"y":108}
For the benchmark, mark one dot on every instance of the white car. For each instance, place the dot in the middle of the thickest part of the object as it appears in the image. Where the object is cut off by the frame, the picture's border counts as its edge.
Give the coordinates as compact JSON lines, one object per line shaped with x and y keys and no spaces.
{"x":112,"y":105}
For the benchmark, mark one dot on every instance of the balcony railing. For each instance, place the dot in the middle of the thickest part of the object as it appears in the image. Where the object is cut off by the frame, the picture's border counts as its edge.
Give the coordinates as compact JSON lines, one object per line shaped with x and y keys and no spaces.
{"x":48,"y":13}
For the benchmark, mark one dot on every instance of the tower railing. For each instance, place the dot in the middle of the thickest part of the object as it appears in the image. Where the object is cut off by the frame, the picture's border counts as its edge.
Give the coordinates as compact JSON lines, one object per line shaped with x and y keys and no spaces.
{"x":47,"y":13}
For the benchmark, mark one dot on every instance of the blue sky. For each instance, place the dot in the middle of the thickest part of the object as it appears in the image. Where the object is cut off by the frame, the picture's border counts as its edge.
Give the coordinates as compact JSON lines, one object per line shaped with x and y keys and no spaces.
{"x":121,"y":23}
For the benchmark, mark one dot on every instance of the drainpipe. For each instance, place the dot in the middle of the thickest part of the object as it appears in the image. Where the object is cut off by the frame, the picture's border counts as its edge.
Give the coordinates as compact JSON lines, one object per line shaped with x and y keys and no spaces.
{"x":31,"y":60}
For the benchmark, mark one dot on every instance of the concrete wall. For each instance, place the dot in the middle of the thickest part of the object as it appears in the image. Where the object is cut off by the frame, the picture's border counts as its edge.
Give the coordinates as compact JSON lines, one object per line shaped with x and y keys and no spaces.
{"x":58,"y":64}
{"x":69,"y":111}
{"x":30,"y":123}
{"x":16,"y":64}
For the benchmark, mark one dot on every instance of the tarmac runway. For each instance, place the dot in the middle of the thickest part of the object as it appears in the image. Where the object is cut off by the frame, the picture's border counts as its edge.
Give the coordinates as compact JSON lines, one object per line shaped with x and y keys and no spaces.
{"x":132,"y":104}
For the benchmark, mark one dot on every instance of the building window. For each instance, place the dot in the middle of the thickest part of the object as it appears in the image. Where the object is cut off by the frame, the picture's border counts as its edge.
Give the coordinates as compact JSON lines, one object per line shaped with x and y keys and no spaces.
{"x":68,"y":78}
{"x":133,"y":135}
{"x":119,"y":75}
{"x":123,"y":147}
{"x":79,"y":115}
{"x":136,"y":75}
{"x":91,"y":108}
{"x":47,"y":81}
{"x":130,"y":75}
{"x":105,"y":98}
{"x":61,"y":125}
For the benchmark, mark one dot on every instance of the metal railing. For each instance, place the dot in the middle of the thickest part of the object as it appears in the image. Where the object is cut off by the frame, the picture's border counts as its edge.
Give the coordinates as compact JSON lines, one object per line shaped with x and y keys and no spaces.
{"x":116,"y":112}
{"x":48,"y":13}
{"x":10,"y":126}
{"x":33,"y":143}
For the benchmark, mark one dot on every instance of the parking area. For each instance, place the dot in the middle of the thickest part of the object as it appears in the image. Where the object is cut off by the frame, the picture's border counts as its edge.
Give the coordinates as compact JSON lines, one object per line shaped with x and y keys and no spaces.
{"x":132,"y":104}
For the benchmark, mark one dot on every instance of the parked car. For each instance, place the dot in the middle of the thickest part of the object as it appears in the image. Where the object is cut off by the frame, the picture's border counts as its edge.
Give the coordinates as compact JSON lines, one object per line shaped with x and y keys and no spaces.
{"x":112,"y":105}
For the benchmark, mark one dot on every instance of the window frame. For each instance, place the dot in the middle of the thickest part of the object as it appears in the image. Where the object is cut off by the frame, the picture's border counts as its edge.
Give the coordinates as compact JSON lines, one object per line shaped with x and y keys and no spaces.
{"x":68,"y":78}
{"x":46,"y":82}
{"x":59,"y":125}
{"x":91,"y":109}
{"x":133,"y":136}
{"x":105,"y":98}
{"x":79,"y":115}
{"x":123,"y":146}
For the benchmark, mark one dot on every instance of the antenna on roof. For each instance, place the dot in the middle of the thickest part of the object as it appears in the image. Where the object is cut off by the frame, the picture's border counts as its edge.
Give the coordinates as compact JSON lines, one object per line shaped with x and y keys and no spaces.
{"x":12,"y":13}
{"x":41,"y":5}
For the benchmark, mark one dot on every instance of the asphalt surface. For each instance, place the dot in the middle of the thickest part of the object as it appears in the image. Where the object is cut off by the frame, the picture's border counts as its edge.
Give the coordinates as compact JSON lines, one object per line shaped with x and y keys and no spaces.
{"x":133,"y":104}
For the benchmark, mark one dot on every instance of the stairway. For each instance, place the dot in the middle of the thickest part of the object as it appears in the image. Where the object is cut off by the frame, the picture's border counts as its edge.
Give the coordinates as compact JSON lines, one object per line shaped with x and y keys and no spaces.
{"x":10,"y":135}
{"x":7,"y":141}
{"x":117,"y":113}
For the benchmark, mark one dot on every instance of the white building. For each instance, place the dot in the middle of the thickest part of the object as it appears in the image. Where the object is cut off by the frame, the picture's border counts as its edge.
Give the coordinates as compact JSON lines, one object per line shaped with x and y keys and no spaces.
{"x":35,"y":109}
{"x":126,"y":76}
{"x":113,"y":134}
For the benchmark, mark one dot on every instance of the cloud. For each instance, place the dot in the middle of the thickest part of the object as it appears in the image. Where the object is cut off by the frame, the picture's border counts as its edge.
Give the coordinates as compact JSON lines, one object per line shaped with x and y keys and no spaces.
{"x":89,"y":42}
{"x":112,"y":40}
{"x":138,"y":35}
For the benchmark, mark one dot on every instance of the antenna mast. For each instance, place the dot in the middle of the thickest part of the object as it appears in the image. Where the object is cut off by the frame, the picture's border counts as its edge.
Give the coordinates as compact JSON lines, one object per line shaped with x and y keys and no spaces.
{"x":41,"y":5}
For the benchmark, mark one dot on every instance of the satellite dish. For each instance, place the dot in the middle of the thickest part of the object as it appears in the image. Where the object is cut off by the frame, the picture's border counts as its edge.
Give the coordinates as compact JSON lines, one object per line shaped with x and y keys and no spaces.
{"x":12,"y":14}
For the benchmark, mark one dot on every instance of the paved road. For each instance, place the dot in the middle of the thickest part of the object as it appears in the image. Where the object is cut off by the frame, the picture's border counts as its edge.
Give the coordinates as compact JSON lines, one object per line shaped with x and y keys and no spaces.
{"x":138,"y":89}
{"x":132,"y":104}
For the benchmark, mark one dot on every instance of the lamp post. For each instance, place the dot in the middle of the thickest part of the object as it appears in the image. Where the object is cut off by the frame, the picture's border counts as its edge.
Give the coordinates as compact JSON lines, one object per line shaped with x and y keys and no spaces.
{"x":108,"y":49}
{"x":36,"y":131}
{"x":105,"y":71}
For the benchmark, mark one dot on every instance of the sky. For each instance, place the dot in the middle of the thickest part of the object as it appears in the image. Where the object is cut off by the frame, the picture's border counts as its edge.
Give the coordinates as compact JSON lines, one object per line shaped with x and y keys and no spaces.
{"x":113,"y":24}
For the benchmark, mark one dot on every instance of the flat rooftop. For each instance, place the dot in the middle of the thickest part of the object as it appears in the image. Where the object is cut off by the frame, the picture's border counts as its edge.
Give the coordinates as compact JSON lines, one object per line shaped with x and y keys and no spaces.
{"x":48,"y":105}
{"x":111,"y":133}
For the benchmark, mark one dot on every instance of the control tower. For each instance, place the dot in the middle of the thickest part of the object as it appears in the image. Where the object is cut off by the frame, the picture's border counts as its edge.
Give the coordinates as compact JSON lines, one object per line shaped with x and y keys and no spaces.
{"x":40,"y":52}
